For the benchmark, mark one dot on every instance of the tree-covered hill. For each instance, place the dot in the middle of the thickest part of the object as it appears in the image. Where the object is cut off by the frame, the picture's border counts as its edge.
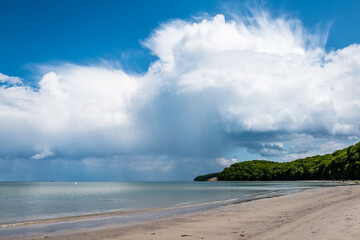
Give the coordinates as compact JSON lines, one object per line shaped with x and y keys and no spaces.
{"x":341,"y":165}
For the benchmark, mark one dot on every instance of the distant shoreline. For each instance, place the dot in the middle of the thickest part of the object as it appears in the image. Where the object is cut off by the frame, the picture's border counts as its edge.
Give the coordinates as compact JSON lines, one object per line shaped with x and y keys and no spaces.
{"x":321,"y":181}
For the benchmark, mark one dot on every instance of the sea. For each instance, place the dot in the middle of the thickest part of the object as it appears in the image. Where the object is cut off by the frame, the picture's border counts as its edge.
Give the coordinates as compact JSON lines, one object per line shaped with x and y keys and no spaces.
{"x":27,"y":201}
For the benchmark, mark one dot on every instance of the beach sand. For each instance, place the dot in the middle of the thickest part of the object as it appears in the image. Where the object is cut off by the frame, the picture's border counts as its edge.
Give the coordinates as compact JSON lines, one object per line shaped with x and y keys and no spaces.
{"x":325,"y":213}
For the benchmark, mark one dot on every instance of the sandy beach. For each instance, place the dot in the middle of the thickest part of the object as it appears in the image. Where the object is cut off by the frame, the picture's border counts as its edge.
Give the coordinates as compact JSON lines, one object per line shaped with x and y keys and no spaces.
{"x":326,"y":213}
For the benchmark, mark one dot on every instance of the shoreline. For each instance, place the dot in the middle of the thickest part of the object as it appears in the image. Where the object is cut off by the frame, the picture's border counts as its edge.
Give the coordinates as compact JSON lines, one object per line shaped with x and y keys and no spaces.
{"x":271,"y":214}
{"x":88,"y":216}
{"x":94,"y":216}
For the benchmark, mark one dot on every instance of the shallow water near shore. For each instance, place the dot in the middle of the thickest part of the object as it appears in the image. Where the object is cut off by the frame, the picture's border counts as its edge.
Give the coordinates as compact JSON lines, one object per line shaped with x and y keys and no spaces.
{"x":27,"y":201}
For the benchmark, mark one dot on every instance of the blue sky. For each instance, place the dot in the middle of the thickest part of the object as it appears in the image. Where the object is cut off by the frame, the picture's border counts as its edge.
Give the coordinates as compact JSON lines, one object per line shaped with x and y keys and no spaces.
{"x":163,"y":90}
{"x":35,"y":32}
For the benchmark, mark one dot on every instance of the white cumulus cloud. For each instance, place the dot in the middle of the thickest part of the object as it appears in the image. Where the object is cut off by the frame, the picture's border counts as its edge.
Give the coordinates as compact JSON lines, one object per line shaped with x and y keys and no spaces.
{"x":43,"y":154}
{"x":8,"y":79}
{"x":226,"y":162}
{"x":257,"y":83}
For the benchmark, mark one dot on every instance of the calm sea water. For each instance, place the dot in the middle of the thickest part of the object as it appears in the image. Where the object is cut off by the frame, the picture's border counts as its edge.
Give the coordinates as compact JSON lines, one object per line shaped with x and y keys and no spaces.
{"x":22,"y":201}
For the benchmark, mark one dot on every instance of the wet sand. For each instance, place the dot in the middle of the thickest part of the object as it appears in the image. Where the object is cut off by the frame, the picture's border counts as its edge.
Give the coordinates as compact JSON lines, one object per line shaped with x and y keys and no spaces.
{"x":325,"y":213}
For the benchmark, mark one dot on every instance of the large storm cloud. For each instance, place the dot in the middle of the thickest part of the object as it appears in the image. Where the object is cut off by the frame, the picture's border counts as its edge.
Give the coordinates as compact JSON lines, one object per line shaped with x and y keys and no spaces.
{"x":258,"y":83}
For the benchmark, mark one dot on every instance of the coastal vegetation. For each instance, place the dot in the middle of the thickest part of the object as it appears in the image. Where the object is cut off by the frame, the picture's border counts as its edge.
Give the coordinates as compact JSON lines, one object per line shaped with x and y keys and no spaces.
{"x":340,"y":165}
{"x":206,"y":177}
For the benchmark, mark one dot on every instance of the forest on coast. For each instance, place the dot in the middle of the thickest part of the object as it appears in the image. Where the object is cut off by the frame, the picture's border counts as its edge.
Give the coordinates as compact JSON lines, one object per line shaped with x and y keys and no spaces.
{"x":340,"y":165}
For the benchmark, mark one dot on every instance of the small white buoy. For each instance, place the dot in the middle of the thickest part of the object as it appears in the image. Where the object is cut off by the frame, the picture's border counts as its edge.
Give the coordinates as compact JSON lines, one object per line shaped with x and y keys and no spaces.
{"x":76,"y":183}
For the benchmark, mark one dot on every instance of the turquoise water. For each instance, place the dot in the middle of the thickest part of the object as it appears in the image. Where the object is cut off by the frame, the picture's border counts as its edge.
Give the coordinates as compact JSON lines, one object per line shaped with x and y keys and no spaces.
{"x":23,"y":201}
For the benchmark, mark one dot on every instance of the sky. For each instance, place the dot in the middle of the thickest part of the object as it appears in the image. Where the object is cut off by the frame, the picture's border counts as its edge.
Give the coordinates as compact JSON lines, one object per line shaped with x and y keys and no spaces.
{"x":168,"y":90}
